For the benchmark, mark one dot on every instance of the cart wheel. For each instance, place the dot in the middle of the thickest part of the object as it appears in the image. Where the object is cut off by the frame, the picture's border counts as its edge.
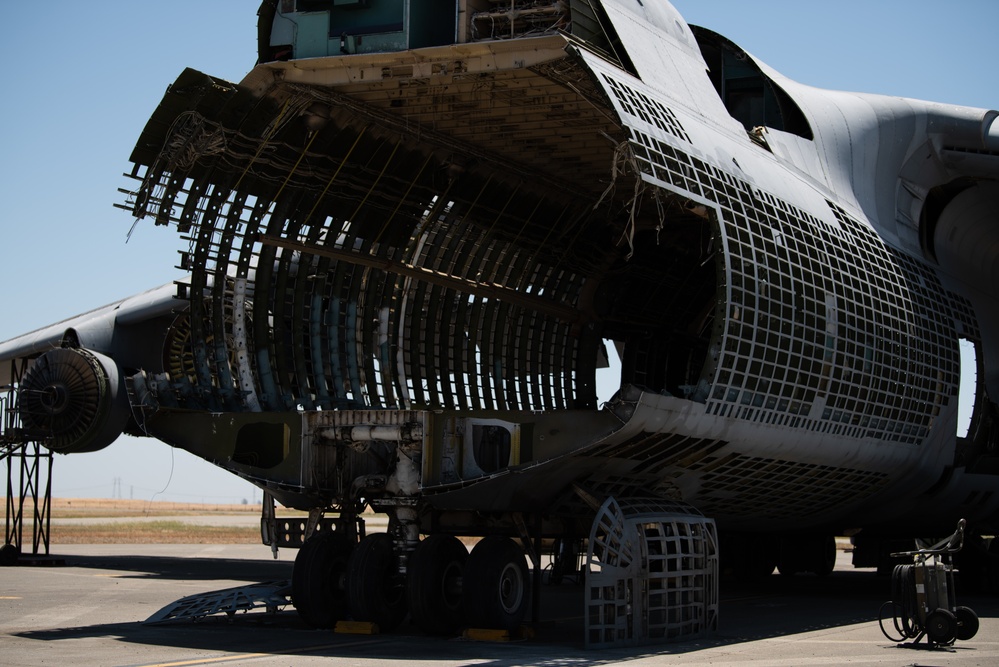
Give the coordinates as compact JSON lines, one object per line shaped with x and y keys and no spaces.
{"x":967,"y":623}
{"x":941,"y":626}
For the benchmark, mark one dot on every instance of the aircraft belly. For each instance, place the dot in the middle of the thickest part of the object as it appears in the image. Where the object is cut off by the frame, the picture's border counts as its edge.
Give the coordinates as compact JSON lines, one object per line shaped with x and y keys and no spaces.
{"x":745,"y":475}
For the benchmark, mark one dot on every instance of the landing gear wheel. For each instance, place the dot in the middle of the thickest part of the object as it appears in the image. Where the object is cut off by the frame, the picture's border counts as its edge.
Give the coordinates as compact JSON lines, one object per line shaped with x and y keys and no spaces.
{"x":749,"y":557}
{"x":374,"y":592}
{"x":435,"y":573}
{"x":317,"y":588}
{"x":967,"y":623}
{"x":789,"y":558}
{"x":760,"y":561}
{"x":496,"y":586}
{"x":807,"y":554}
{"x":941,"y":626}
{"x":825,"y":558}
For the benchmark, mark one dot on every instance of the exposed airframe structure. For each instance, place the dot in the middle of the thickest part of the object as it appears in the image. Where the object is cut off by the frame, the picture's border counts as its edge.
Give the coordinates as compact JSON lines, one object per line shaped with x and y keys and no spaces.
{"x":409,"y":238}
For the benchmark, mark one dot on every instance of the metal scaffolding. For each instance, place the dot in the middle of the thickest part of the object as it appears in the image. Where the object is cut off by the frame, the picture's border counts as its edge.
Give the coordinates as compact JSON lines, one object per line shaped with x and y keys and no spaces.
{"x":29,"y":476}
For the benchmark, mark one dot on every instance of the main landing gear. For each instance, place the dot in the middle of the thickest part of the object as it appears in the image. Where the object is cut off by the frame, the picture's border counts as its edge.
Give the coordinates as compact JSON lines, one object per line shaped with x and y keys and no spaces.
{"x":444,"y":589}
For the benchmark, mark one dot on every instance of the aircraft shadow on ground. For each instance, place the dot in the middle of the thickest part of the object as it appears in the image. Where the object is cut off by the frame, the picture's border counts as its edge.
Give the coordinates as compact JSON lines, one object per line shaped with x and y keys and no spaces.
{"x":188,"y":569}
{"x":776,"y":607}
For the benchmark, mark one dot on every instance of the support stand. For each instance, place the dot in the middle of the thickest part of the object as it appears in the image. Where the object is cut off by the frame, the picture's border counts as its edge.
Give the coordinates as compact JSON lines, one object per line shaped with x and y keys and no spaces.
{"x":29,"y":473}
{"x":33,"y":470}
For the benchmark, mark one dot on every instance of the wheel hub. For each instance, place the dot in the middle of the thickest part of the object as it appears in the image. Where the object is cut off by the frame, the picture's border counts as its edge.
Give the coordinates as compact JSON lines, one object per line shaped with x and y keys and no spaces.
{"x":511,"y":586}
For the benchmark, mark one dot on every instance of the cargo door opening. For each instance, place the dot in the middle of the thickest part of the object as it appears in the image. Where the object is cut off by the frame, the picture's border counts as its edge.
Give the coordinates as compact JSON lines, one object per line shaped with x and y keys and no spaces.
{"x":608,"y":371}
{"x":967,"y":395}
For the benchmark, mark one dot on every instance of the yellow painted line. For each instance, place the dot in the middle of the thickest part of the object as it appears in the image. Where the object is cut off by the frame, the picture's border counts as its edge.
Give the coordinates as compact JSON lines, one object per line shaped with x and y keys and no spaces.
{"x":252,"y":656}
{"x":209,"y":661}
{"x":10,"y":597}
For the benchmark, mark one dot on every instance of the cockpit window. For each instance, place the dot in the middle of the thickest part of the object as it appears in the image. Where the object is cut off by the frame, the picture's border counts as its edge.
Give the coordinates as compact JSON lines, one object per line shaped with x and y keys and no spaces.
{"x":750,"y":96}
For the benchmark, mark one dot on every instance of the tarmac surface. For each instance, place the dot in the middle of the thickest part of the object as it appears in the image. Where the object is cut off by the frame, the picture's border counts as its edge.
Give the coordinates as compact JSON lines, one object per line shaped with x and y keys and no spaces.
{"x":90,"y":611}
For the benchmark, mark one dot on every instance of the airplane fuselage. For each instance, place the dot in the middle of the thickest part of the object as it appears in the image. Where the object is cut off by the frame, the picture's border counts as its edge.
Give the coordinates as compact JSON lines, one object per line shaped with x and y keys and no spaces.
{"x":408,"y":249}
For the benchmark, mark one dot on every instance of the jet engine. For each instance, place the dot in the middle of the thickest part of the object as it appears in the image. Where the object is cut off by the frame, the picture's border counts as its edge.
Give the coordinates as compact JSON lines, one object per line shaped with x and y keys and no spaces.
{"x":73,"y":400}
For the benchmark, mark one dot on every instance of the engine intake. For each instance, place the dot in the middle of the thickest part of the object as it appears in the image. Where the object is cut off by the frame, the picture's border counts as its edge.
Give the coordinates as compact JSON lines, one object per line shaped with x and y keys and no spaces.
{"x":73,"y":400}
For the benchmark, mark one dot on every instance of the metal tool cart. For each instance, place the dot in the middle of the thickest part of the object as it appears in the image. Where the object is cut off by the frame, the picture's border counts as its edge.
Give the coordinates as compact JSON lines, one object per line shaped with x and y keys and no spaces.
{"x":923,"y":597}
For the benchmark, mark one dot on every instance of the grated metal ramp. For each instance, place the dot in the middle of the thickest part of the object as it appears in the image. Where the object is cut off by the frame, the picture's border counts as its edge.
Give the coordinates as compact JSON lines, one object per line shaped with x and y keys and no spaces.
{"x":270,"y":596}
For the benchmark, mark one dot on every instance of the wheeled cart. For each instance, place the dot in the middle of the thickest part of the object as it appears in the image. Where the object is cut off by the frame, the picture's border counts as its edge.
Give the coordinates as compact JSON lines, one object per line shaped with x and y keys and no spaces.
{"x":923,"y":601}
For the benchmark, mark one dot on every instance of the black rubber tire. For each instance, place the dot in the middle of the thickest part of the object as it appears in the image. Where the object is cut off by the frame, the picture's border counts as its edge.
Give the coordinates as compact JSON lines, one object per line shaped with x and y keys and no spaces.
{"x":941,"y":626}
{"x":789,"y":557}
{"x":807,"y":554}
{"x":750,"y":558}
{"x":434,"y":585}
{"x":825,"y":558}
{"x":967,"y":623}
{"x":8,"y":554}
{"x":317,"y":581}
{"x":496,"y":585}
{"x":374,"y":592}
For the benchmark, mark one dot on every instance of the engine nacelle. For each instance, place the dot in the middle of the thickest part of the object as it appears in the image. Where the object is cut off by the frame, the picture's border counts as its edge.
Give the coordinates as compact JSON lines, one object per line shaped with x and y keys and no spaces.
{"x":73,"y":400}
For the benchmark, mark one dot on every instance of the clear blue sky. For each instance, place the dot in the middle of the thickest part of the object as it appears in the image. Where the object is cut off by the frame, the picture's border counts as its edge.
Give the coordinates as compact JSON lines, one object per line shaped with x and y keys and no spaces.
{"x":81,"y":78}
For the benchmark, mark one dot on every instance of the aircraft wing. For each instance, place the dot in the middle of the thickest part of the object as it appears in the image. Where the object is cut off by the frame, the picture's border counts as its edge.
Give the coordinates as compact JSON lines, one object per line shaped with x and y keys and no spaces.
{"x":94,"y":329}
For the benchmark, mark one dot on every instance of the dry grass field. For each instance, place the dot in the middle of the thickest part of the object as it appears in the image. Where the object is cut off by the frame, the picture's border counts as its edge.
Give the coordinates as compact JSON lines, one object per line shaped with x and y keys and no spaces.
{"x":152,"y":532}
{"x":71,"y":508}
{"x":107,"y":521}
